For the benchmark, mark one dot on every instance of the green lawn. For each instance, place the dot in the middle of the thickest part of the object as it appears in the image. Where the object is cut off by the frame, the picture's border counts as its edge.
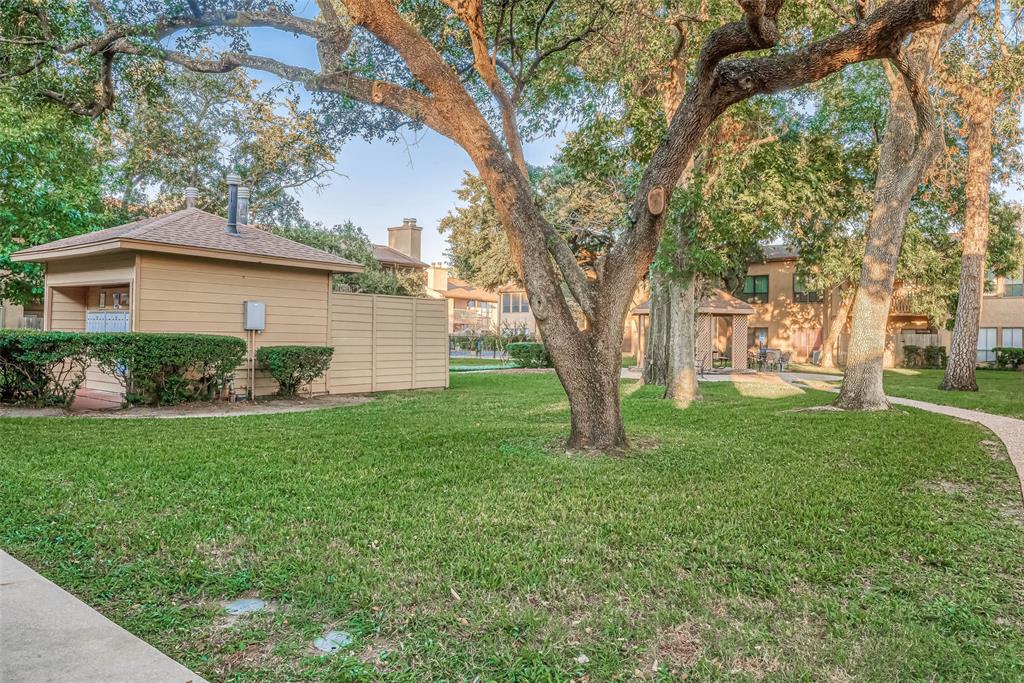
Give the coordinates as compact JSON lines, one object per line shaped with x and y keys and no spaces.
{"x":468,"y":362}
{"x":998,"y":392}
{"x":745,"y":540}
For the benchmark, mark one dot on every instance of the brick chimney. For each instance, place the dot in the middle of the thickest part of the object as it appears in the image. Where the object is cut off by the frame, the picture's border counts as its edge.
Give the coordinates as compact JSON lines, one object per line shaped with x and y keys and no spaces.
{"x":406,"y":238}
{"x":437,"y":277}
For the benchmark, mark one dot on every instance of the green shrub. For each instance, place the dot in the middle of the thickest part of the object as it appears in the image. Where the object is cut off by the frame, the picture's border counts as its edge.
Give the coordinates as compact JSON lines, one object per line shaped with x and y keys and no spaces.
{"x":42,"y":368}
{"x":165,"y":369}
{"x":912,"y":356}
{"x":924,"y":357}
{"x":935,"y":356}
{"x":529,"y":354}
{"x":294,"y":366}
{"x":1009,"y":358}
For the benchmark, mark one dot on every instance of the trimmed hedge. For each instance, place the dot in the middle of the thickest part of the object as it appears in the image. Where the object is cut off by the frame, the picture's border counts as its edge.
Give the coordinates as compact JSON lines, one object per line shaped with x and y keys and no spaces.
{"x":164,"y":369}
{"x":42,"y":368}
{"x":47,"y":368}
{"x":294,"y":366}
{"x":529,"y":354}
{"x":924,"y":357}
{"x":1009,"y":357}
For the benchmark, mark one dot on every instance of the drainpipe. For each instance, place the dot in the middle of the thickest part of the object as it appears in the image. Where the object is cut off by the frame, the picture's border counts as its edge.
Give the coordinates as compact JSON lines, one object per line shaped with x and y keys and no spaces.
{"x":191,"y":195}
{"x":233,"y":180}
{"x":243,"y":206}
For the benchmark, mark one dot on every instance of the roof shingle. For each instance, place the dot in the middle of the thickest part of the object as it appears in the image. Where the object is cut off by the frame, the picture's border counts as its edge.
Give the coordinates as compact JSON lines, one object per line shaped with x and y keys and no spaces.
{"x":197,"y":229}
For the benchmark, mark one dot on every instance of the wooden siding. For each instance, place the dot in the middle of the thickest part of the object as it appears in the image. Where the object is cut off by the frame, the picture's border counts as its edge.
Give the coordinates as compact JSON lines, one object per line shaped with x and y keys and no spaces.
{"x":104,"y":269}
{"x":181,"y":294}
{"x":386,"y":343}
{"x":381,"y":342}
{"x":67,"y":309}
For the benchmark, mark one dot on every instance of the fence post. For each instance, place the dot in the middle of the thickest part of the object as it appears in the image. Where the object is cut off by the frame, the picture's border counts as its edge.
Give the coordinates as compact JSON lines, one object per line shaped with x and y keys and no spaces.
{"x":412,"y":379}
{"x":373,"y":342}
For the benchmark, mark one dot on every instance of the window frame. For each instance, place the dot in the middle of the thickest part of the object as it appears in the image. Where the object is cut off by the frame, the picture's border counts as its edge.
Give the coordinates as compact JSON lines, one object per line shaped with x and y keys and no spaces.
{"x":804,"y":296}
{"x":752,"y":337}
{"x":986,"y":355}
{"x":1017,"y":284}
{"x":1019,"y":334}
{"x":753,"y":296}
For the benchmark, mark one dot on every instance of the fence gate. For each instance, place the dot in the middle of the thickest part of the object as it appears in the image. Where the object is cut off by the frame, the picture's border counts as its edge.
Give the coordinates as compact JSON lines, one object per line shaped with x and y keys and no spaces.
{"x":387,"y":342}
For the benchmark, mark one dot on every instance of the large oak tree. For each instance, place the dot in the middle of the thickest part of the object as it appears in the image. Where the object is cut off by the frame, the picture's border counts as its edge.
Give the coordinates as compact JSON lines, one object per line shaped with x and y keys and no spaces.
{"x":472,"y":71}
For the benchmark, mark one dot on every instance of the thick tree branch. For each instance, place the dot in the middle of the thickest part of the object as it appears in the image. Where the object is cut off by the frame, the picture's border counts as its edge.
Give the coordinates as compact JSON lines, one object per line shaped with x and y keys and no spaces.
{"x":105,"y":95}
{"x":722,"y":83}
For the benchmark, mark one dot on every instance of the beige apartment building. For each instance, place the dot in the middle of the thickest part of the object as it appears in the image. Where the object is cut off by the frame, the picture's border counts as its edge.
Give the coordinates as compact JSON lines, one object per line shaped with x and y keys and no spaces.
{"x":15,"y":316}
{"x":789,"y":317}
{"x":471,"y":309}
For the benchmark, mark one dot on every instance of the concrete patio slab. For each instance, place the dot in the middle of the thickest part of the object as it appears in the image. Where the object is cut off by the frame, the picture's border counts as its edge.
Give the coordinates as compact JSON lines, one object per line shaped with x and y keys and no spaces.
{"x":48,"y":635}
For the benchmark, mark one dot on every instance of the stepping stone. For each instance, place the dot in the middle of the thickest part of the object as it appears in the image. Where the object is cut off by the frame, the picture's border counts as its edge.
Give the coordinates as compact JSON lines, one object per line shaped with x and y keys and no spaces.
{"x":332,"y":641}
{"x":244,"y":606}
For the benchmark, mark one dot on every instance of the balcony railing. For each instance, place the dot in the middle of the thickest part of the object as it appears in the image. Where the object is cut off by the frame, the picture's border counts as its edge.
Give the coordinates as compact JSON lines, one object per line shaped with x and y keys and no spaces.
{"x":469,"y":318}
{"x":25,"y":322}
{"x":903,"y":304}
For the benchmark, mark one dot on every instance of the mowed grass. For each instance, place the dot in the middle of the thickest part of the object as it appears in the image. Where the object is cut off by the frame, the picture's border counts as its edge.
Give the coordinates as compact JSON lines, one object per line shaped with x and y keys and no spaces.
{"x":743,"y":540}
{"x":458,"y":361}
{"x":999,"y":391}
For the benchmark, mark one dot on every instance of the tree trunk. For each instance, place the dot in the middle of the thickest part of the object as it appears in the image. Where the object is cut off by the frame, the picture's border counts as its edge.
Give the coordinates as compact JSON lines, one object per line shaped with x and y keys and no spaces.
{"x":591,"y":381}
{"x":835,"y":329}
{"x":911,"y":143}
{"x":656,"y":357}
{"x":963,"y":351}
{"x":682,"y":384}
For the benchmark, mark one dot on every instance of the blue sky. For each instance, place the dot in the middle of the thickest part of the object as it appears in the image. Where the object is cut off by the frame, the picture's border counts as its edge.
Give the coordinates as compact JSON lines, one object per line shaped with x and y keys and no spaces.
{"x":378,"y":184}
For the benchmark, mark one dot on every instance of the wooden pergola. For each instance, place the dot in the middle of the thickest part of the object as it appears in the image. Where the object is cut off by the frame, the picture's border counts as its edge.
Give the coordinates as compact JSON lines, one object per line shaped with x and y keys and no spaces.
{"x":717,"y":305}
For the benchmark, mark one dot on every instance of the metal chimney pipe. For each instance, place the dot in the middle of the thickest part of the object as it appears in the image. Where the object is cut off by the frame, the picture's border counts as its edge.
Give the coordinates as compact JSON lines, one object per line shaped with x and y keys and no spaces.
{"x":243,"y":205}
{"x":191,"y":195}
{"x":233,"y":180}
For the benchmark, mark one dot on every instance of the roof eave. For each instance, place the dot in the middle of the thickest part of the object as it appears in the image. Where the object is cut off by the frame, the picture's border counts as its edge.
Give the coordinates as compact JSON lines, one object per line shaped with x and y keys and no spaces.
{"x":44,"y":255}
{"x":115,"y":245}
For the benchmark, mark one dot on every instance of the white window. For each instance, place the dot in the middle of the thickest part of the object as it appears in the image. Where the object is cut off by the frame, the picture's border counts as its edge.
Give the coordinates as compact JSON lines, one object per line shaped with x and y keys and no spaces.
{"x":1013,"y":338}
{"x":515,"y":302}
{"x":986,"y":342}
{"x":1013,"y":285}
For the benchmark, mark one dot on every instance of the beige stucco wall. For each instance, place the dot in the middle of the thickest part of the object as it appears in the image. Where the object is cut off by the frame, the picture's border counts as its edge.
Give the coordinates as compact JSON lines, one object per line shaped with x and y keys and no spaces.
{"x":13,"y":315}
{"x":781,"y":314}
{"x":1001,"y":311}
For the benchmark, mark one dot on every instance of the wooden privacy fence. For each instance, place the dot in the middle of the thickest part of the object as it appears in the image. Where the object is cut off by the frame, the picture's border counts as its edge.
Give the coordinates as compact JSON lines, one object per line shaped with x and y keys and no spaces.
{"x":384,"y":343}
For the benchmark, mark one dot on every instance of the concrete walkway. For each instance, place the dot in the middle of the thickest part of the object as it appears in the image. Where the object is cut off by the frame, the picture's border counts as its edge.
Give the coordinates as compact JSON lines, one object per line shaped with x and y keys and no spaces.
{"x":48,"y":635}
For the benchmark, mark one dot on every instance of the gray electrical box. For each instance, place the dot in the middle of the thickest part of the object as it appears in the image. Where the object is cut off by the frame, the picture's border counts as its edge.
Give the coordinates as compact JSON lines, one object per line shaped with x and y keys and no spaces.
{"x":255,"y":316}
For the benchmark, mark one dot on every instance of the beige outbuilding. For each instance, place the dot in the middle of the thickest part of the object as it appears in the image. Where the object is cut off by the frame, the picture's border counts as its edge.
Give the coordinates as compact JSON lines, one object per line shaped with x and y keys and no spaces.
{"x":187,"y":272}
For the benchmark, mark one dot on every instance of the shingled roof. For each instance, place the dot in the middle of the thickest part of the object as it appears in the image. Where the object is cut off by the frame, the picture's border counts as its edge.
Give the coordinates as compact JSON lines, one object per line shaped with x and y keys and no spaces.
{"x":718,"y":302}
{"x":390,"y":256}
{"x":195,"y":232}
